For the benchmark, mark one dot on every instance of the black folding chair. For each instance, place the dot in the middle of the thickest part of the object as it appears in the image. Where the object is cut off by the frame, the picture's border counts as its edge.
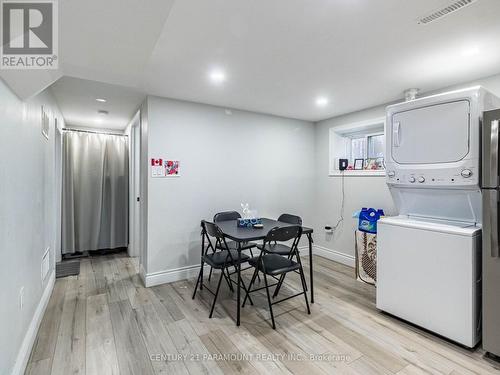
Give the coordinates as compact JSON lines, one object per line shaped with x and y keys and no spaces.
{"x":217,"y":256}
{"x":275,"y":265}
{"x":290,"y":219}
{"x":233,"y":215}
{"x":228,"y":216}
{"x":279,"y":248}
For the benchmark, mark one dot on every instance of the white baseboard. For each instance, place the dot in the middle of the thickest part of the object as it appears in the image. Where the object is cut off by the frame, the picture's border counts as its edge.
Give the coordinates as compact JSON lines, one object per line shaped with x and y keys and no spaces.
{"x":334,"y":255}
{"x":188,"y":272}
{"x":29,"y":339}
{"x":169,"y":276}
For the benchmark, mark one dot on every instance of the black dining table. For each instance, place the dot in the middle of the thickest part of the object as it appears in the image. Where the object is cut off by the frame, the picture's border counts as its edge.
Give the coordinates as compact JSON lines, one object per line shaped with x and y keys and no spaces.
{"x":241,"y":235}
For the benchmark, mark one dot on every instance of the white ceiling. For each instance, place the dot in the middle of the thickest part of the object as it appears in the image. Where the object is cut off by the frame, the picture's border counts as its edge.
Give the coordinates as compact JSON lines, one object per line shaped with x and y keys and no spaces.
{"x":77,"y":100}
{"x":279,"y":55}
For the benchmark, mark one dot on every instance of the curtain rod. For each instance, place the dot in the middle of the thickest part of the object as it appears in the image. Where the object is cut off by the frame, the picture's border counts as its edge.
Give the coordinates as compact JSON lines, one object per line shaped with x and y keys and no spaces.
{"x":93,"y":132}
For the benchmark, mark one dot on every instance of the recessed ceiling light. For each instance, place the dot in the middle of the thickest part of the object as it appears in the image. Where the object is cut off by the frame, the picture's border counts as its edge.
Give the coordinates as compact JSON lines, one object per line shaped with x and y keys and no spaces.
{"x":101,"y":100}
{"x":321,"y":101}
{"x":217,"y":76}
{"x":470,"y":51}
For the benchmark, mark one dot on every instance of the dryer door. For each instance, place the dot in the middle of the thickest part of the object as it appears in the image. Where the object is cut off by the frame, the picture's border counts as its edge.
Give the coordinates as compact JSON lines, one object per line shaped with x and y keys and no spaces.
{"x":435,"y":134}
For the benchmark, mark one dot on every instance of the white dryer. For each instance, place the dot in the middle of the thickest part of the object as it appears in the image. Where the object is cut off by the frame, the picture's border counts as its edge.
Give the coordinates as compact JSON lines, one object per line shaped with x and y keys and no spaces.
{"x":428,"y":257}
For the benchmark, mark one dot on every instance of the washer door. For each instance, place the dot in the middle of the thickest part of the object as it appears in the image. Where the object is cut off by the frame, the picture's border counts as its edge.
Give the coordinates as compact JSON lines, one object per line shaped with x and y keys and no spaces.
{"x":436,"y":134}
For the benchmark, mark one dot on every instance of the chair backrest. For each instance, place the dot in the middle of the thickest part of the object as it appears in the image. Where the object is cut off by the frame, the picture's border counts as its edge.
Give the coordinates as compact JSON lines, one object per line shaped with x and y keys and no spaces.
{"x":208,"y":230}
{"x":282,"y":234}
{"x":212,"y":229}
{"x":226,"y":216}
{"x":291,"y":219}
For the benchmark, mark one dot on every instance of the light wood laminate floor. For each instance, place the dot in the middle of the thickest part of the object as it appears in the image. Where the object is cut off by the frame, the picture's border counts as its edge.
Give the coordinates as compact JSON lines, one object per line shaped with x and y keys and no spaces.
{"x":105,"y":322}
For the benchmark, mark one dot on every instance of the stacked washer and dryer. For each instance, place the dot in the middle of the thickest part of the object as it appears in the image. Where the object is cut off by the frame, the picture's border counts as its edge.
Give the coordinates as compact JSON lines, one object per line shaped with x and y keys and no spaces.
{"x":429,"y":257}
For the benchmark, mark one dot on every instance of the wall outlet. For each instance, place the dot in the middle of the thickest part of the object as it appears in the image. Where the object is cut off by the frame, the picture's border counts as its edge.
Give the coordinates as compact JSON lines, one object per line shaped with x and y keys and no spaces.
{"x":21,"y":298}
{"x":45,"y":266}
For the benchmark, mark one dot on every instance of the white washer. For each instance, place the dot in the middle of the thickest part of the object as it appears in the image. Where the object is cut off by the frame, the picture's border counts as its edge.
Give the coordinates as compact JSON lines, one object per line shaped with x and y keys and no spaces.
{"x":428,"y":273}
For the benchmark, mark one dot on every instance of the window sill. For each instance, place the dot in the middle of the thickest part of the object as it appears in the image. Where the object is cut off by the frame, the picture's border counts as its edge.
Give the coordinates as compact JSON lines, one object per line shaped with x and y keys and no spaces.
{"x":358,"y":173}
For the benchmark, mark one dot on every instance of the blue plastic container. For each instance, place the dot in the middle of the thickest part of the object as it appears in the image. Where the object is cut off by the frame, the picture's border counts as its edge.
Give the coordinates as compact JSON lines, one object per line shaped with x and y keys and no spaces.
{"x":368,"y":218}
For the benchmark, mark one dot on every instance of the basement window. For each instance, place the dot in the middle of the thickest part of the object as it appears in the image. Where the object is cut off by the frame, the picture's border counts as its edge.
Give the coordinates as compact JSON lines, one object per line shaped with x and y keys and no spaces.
{"x":362,"y":144}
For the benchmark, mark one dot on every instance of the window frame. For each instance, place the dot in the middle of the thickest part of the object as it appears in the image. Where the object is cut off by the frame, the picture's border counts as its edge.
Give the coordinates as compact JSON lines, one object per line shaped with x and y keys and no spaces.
{"x":366,"y":137}
{"x":339,"y":147}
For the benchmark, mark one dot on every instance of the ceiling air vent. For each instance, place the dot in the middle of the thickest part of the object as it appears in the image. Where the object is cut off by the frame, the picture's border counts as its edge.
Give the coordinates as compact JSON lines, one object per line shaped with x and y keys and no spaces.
{"x":440,"y":13}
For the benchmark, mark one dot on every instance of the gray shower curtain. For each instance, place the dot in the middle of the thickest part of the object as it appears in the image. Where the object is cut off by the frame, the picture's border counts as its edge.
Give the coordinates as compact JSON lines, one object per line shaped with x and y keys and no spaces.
{"x":95,"y":192}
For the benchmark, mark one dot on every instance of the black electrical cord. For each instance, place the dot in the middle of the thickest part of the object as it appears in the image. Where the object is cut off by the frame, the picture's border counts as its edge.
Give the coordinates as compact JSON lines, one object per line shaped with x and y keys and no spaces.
{"x":341,"y":219}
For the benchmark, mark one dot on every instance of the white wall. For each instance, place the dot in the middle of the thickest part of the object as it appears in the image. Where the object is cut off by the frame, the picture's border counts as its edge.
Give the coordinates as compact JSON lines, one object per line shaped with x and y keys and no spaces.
{"x":225,"y":159}
{"x":27,"y":221}
{"x":359,"y":191}
{"x":289,"y":170}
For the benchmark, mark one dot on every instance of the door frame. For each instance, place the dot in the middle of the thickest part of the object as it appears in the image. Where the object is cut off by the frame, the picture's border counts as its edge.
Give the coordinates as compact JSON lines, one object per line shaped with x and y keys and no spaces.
{"x":58,"y":188}
{"x":134,"y":249}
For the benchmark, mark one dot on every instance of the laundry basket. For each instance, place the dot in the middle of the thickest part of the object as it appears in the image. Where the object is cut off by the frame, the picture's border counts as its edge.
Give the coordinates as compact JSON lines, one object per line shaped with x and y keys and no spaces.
{"x":366,"y":257}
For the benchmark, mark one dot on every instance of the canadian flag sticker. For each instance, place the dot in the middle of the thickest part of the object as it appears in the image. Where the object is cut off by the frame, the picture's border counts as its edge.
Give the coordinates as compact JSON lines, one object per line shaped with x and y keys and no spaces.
{"x":157,"y":169}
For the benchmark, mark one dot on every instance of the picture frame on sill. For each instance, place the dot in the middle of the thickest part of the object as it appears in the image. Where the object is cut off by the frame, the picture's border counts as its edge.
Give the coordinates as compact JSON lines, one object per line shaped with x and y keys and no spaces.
{"x":371,"y":164}
{"x":380,"y":163}
{"x":358,"y":164}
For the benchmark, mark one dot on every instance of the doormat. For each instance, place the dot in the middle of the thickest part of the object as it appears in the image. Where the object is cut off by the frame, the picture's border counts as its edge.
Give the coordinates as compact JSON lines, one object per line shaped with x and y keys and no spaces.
{"x":67,"y":268}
